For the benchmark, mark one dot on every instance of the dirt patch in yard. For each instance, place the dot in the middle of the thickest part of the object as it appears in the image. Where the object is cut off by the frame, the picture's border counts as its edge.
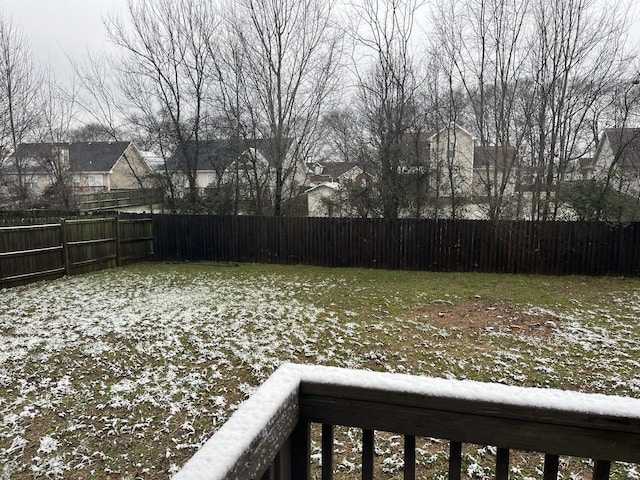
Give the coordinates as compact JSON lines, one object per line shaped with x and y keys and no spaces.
{"x":488,"y":317}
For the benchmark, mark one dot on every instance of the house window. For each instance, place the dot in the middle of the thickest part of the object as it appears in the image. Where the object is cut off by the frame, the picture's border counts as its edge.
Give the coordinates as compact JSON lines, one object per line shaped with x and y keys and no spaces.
{"x":211,"y":179}
{"x":95,"y":180}
{"x":451,"y":153}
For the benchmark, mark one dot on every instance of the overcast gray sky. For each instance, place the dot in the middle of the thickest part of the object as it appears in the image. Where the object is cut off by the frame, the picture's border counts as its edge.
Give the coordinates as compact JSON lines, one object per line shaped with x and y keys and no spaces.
{"x":54,"y":27}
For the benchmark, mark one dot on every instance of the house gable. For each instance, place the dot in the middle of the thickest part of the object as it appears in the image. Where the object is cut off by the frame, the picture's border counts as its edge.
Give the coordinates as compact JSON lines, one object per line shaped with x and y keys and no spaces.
{"x":617,"y":159}
{"x":624,"y":146}
{"x":320,"y":199}
{"x":130,"y":170}
{"x":619,"y":147}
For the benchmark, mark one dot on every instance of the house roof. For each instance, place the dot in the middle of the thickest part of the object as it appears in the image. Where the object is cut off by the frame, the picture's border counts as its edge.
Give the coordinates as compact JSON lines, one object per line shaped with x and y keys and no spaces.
{"x":501,"y":156}
{"x":333,"y":186}
{"x":217,"y":155}
{"x":336,"y":169}
{"x":625,"y":145}
{"x":83,"y":156}
{"x":153,"y":160}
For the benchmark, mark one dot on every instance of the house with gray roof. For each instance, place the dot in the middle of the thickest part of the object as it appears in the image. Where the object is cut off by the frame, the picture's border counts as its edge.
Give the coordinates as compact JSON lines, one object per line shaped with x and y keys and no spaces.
{"x":215,"y":161}
{"x":87,"y":166}
{"x":240,"y":175}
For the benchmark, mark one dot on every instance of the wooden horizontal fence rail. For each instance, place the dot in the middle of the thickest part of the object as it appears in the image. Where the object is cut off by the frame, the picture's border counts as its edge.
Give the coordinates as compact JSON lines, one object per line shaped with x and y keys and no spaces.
{"x":268,"y":437}
{"x":557,"y":248}
{"x":71,"y":246}
{"x":118,"y":199}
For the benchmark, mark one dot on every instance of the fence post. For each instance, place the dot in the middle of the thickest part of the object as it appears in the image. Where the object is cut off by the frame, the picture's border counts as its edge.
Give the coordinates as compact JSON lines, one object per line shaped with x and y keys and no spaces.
{"x":65,"y":246}
{"x":118,"y":249}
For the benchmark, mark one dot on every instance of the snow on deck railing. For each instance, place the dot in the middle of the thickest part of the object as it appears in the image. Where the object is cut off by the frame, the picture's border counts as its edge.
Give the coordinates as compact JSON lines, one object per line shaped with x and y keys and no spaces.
{"x":268,"y":436}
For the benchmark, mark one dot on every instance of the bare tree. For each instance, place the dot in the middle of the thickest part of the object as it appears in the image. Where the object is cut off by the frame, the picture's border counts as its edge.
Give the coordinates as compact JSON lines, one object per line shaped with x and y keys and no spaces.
{"x":245,"y":180}
{"x":101,"y":108}
{"x":484,"y":55}
{"x":613,"y":194}
{"x":387,"y":93}
{"x":165,"y":72}
{"x":287,"y":55}
{"x":576,"y":53}
{"x":535,"y":75}
{"x":58,"y":113}
{"x":344,"y":141}
{"x":19,"y":100}
{"x":446,"y":101}
{"x":104,"y":115}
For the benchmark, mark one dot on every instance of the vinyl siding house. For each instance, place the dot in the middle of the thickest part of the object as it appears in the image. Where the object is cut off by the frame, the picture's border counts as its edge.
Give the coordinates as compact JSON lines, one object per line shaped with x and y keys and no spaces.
{"x":87,"y":166}
{"x":617,"y":160}
{"x":221,"y":160}
{"x":244,"y":169}
{"x":327,"y":182}
{"x":451,"y":159}
{"x":336,"y":172}
{"x":322,"y":200}
{"x":444,"y":159}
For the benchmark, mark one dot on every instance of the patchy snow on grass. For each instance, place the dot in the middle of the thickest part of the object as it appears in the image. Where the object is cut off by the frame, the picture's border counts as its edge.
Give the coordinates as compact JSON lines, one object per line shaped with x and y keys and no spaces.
{"x":126,"y":373}
{"x":122,"y":372}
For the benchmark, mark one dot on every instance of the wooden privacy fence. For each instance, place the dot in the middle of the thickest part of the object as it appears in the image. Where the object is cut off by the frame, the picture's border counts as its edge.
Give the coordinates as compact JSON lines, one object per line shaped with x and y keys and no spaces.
{"x":411,"y":244}
{"x":67,"y":247}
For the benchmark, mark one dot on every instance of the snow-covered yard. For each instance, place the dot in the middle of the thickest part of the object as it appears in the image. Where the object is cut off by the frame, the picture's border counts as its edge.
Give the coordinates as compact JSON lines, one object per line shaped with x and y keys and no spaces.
{"x":125,"y":373}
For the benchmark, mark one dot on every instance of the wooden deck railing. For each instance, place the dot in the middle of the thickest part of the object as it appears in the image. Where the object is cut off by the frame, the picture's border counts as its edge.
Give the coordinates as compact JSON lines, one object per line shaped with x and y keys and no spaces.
{"x":268,"y":437}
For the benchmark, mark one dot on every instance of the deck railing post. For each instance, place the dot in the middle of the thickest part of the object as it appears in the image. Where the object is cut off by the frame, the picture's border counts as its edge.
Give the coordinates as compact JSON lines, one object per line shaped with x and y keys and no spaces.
{"x":409,"y":457}
{"x":455,"y":460}
{"x":301,"y":451}
{"x":367,"y":454}
{"x":327,"y":451}
{"x":601,"y":470}
{"x":551,"y":464}
{"x":282,"y":462}
{"x":502,"y":464}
